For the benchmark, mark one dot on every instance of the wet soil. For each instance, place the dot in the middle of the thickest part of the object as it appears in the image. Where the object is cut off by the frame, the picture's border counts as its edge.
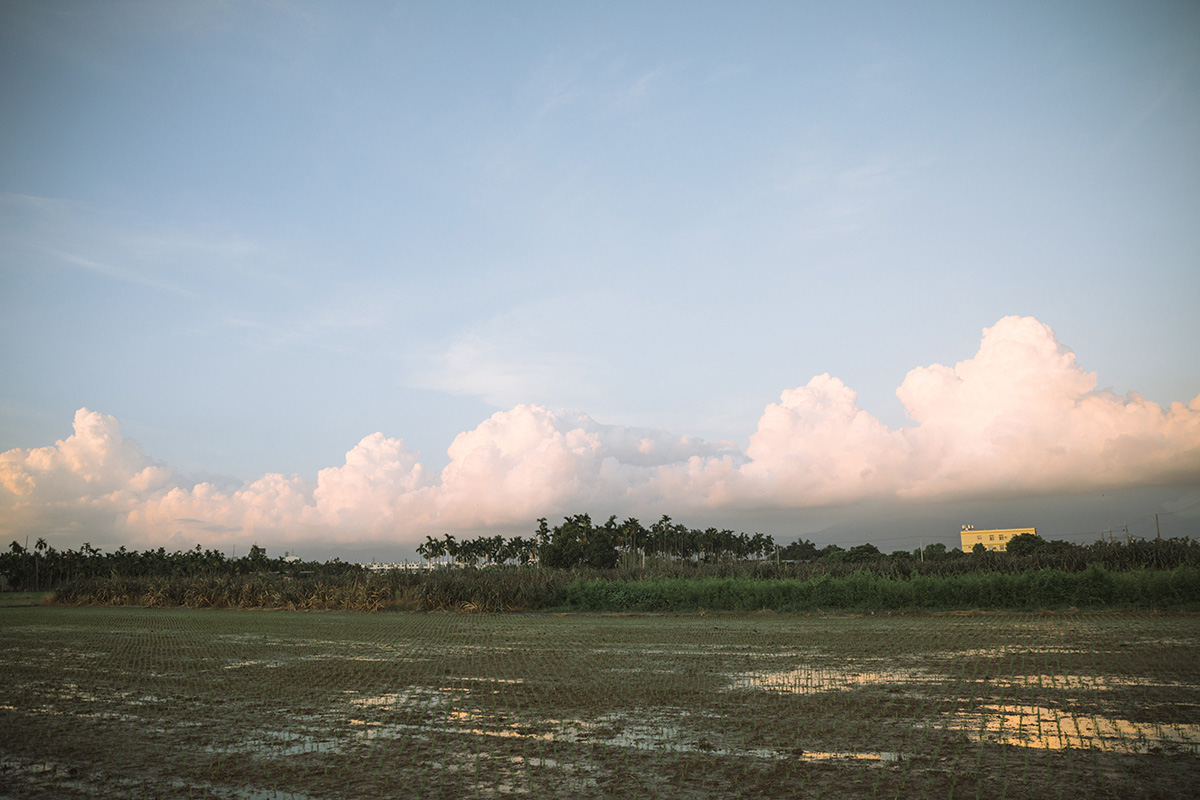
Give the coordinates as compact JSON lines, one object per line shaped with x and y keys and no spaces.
{"x":107,"y":702}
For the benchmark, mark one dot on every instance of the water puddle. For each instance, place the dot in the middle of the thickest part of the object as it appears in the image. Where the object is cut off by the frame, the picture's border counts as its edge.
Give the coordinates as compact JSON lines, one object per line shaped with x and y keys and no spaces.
{"x":272,"y":743}
{"x":422,"y":698}
{"x":267,"y":664}
{"x":608,"y":731}
{"x":673,"y":731}
{"x":819,"y":680}
{"x":1089,"y":683}
{"x":1051,"y":729}
{"x":1018,"y":725}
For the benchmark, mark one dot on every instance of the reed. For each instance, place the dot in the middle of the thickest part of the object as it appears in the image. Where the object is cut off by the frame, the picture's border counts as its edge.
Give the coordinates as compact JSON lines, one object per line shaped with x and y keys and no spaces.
{"x":1095,"y":587}
{"x":527,"y":589}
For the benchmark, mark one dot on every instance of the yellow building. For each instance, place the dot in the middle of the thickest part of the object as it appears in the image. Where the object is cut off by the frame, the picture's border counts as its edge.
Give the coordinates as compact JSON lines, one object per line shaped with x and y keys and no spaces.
{"x":993,"y":539}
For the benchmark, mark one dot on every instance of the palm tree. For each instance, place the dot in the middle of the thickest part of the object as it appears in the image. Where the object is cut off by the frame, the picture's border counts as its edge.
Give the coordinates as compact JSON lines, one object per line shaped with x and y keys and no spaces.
{"x":494,"y":550}
{"x":426,"y":550}
{"x":39,"y":547}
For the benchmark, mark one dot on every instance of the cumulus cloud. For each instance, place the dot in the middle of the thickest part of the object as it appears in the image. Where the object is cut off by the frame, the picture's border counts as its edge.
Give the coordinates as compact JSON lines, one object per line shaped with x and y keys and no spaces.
{"x":1020,"y":417}
{"x":93,"y":461}
{"x":817,"y":444}
{"x":1023,"y":416}
{"x":531,"y":461}
{"x":517,"y":465}
{"x":363,"y":493}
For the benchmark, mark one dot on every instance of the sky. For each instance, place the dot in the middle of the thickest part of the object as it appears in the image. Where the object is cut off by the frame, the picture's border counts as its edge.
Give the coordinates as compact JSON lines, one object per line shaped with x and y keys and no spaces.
{"x":331,"y":278}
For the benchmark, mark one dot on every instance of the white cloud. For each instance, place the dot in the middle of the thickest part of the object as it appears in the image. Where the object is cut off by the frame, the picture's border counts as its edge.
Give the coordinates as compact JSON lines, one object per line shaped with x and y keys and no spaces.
{"x":817,"y":446}
{"x":94,"y":460}
{"x":1023,"y":416}
{"x":117,"y":273}
{"x":363,"y":492}
{"x":520,"y":356}
{"x":1018,"y":418}
{"x":500,"y":373}
{"x":531,"y":462}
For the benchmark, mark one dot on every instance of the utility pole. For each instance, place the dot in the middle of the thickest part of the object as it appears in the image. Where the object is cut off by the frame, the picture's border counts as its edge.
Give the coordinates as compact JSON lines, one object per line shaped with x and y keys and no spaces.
{"x":1157,"y":532}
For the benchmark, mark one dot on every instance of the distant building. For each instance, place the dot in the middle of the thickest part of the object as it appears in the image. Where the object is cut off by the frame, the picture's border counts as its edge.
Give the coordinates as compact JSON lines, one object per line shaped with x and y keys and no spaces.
{"x":406,"y":566}
{"x":996,"y":539}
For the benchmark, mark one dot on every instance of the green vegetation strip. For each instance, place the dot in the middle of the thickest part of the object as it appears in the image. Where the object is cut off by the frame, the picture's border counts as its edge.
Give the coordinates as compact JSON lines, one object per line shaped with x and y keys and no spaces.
{"x":1092,"y":588}
{"x":623,"y":567}
{"x":530,"y":589}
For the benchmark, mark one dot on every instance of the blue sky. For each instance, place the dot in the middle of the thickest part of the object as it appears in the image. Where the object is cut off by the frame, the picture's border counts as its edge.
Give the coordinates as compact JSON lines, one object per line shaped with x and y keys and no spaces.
{"x":255,"y":233}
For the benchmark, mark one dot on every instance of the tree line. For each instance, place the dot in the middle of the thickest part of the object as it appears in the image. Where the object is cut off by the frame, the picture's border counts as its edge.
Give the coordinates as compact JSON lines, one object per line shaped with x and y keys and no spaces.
{"x":41,"y":567}
{"x":1021,"y":545}
{"x":579,"y":542}
{"x":627,"y":549}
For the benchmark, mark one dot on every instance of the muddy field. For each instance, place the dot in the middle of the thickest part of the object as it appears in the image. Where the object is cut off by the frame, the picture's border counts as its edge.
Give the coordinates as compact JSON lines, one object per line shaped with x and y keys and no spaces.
{"x":110,"y":702}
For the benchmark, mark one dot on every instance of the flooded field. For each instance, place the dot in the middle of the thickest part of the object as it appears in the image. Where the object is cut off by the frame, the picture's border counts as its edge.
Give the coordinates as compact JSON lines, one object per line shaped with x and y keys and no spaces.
{"x":180,"y":703}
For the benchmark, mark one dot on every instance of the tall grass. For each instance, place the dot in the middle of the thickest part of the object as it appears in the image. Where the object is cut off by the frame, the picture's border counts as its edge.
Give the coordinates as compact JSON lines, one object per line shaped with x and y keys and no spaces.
{"x":461,"y":590}
{"x":497,"y":590}
{"x":864,"y":591}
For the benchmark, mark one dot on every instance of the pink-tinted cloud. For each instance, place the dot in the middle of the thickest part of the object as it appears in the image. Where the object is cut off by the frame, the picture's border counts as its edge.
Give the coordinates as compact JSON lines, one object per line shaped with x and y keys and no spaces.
{"x":817,"y":444}
{"x":370,"y":490}
{"x":1022,"y":416}
{"x":1018,"y":418}
{"x":92,"y":461}
{"x":531,"y":462}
